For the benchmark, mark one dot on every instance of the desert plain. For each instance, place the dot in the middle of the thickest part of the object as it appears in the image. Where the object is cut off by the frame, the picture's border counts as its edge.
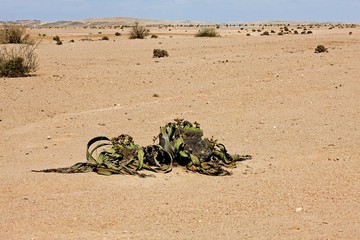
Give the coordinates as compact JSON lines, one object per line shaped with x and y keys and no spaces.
{"x":296,"y":112}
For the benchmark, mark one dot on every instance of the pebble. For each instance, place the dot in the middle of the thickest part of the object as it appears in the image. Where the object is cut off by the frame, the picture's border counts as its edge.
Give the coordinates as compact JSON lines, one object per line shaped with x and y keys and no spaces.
{"x":48,"y":137}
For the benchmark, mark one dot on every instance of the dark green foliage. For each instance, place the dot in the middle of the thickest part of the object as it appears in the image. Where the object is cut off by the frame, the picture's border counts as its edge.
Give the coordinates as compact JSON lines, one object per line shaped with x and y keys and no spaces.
{"x":180,"y":143}
{"x":159,"y":53}
{"x":207,"y":32}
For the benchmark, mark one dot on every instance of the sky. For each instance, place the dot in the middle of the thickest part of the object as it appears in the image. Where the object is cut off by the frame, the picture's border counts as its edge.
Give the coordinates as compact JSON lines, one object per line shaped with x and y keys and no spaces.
{"x":220,"y":11}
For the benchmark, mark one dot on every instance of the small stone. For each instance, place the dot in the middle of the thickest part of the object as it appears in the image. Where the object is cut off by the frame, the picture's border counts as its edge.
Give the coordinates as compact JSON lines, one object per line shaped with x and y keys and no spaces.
{"x":48,"y":137}
{"x":298,"y":209}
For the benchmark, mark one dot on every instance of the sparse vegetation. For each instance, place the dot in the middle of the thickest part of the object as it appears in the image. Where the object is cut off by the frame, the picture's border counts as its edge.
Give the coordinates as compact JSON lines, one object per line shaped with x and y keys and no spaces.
{"x":154,"y":36}
{"x":18,"y":61}
{"x":138,"y":31}
{"x":266,"y":33}
{"x":14,"y":34}
{"x":159,"y":53}
{"x":105,"y":38}
{"x":207,"y":32}
{"x":117,"y":34}
{"x":320,"y":49}
{"x":57,"y":40}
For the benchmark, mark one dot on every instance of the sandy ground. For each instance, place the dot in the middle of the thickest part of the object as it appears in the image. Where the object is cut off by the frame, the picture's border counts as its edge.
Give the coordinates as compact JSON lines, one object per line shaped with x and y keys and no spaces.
{"x":296,"y":112}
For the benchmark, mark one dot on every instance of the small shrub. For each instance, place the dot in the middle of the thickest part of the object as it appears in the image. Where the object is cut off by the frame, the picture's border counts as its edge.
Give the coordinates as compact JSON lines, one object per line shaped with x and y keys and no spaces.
{"x":14,"y":34}
{"x":207,"y":32}
{"x":350,"y":33}
{"x":117,"y":34}
{"x":138,"y":31}
{"x":320,"y":49}
{"x":154,"y":36}
{"x":266,"y":33}
{"x":71,"y":41}
{"x":18,"y":61}
{"x":56,"y":38}
{"x":105,"y":38}
{"x":158,"y":53}
{"x":296,"y":32}
{"x":248,"y":34}
{"x":309,"y":32}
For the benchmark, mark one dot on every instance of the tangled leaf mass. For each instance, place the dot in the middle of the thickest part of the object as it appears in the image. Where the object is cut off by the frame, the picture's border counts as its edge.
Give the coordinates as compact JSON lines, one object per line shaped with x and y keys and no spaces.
{"x":179,"y":143}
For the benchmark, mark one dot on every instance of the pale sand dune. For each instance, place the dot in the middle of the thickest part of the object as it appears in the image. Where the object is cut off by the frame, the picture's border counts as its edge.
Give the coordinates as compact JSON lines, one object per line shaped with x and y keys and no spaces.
{"x":296,"y":112}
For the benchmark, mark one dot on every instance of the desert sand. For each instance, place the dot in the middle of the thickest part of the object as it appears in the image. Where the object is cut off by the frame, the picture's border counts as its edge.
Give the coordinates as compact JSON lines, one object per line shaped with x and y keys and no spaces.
{"x":296,"y":112}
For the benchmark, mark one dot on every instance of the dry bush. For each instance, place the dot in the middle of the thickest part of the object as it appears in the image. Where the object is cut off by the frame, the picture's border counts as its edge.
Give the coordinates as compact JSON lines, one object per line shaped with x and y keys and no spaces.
{"x":158,"y":53}
{"x":14,"y":34}
{"x":138,"y":31}
{"x":207,"y":32}
{"x":18,"y":61}
{"x":57,"y":39}
{"x":320,"y":49}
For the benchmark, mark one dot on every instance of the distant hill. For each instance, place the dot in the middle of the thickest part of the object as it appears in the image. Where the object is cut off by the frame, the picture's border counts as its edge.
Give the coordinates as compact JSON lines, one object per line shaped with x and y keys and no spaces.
{"x":98,"y":22}
{"x":121,"y":21}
